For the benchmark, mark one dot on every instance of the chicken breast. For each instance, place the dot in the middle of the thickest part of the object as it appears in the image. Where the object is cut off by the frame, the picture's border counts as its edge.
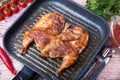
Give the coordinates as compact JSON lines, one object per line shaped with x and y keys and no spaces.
{"x":56,"y":39}
{"x":53,"y":22}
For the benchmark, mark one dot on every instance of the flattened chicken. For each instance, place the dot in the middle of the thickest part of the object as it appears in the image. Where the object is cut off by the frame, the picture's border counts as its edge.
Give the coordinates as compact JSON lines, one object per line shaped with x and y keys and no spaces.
{"x":51,"y":23}
{"x":55,"y":38}
{"x":77,"y":39}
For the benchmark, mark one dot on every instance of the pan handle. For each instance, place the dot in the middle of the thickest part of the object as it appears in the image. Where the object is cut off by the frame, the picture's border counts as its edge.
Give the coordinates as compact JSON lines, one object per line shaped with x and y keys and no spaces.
{"x":24,"y":74}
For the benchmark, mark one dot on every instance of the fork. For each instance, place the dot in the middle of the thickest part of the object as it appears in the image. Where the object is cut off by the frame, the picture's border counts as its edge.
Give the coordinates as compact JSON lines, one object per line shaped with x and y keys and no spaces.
{"x":99,"y":58}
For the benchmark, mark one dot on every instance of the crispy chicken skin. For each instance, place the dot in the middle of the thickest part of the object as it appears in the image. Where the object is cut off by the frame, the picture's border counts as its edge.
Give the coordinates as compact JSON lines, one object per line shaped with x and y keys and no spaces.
{"x":40,"y":37}
{"x":56,"y":39}
{"x":53,"y":22}
{"x":75,"y":45}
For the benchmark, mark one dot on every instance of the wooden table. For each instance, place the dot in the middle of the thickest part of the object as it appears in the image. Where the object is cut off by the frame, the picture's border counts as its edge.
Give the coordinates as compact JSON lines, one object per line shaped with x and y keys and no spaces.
{"x":110,"y":72}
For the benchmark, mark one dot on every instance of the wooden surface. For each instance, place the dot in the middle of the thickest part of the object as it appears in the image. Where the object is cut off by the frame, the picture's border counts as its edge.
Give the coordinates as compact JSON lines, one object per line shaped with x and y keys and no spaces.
{"x":110,"y":72}
{"x":112,"y":69}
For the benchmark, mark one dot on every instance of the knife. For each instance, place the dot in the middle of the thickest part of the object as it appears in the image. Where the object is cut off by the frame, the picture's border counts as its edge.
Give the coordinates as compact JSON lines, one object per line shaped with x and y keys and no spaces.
{"x":100,"y":67}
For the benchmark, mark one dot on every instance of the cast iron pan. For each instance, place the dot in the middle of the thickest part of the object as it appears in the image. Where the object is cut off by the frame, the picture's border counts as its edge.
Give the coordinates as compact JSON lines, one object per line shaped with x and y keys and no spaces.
{"x":75,"y":14}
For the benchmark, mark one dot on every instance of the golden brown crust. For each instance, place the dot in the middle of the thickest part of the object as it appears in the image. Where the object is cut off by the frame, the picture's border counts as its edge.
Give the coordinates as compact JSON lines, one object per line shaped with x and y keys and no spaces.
{"x":52,"y":21}
{"x":54,"y":39}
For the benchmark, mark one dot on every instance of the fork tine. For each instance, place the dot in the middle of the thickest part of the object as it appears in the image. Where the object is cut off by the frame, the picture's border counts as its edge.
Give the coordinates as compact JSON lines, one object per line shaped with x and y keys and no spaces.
{"x":105,"y":52}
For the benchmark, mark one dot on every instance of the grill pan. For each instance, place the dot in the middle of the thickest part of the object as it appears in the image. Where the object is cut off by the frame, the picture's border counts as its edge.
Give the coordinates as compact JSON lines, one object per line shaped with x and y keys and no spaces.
{"x":73,"y":13}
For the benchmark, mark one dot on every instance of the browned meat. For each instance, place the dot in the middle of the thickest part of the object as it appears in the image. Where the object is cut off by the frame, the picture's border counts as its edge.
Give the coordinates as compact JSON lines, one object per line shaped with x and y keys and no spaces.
{"x":40,"y":37}
{"x":53,"y":22}
{"x":54,"y":39}
{"x":77,"y":39}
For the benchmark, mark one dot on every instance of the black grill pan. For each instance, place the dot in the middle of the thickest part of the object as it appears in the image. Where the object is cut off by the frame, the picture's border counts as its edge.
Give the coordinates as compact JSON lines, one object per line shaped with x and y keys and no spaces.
{"x":76,"y":15}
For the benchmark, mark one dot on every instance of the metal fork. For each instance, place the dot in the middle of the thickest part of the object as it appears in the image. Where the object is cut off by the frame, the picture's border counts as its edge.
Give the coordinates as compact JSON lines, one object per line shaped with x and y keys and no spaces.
{"x":100,"y":58}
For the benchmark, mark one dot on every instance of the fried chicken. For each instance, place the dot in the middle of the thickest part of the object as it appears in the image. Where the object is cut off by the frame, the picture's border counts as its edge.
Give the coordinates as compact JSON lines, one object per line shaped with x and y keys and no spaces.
{"x":56,"y":39}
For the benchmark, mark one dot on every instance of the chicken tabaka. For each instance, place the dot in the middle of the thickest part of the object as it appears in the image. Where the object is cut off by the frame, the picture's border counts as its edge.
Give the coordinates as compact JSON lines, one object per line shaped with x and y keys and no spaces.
{"x":56,"y":38}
